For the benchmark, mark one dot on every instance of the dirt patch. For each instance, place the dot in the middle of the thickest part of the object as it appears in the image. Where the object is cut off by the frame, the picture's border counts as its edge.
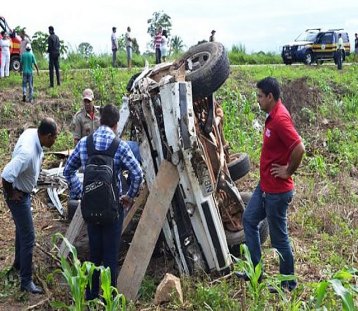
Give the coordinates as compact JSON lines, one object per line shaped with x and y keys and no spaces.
{"x":300,"y":99}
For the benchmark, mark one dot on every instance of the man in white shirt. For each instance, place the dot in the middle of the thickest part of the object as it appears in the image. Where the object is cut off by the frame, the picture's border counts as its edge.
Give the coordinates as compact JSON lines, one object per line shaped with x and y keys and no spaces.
{"x":340,"y":51}
{"x":19,"y":178}
{"x":114,"y":46}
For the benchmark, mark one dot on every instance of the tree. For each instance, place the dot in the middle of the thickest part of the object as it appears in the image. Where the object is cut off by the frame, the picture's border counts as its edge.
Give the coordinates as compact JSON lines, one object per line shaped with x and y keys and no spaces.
{"x":159,"y":19}
{"x":39,"y":43}
{"x":176,"y":44}
{"x":135,"y":46}
{"x":85,"y":49}
{"x":121,"y":43}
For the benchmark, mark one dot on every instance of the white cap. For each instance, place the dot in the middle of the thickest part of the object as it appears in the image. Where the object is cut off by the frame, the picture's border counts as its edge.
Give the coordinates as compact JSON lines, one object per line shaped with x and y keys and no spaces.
{"x":28,"y":46}
{"x":88,"y":94}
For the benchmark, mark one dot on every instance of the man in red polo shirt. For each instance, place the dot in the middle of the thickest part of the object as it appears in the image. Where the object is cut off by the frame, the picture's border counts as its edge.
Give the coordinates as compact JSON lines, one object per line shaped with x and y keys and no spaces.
{"x":281,"y":154}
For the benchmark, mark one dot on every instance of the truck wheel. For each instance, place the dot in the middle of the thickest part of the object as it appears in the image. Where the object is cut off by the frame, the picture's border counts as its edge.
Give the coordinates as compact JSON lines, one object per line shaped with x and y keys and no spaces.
{"x":207,"y":67}
{"x":239,"y":165}
{"x":15,"y":63}
{"x":234,"y":239}
{"x":308,"y":58}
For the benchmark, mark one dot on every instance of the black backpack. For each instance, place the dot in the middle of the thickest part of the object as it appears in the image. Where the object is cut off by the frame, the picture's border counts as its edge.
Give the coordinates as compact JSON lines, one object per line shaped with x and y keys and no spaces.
{"x":100,"y":202}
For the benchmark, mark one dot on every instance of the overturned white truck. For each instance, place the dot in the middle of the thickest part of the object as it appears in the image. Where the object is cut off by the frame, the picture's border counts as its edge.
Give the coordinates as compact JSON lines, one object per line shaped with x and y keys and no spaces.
{"x":171,"y":111}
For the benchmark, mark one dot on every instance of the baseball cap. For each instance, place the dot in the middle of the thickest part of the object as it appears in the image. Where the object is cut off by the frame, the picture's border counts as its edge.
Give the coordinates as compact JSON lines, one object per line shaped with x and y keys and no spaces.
{"x":28,"y":46}
{"x":213,"y":31}
{"x":88,"y":94}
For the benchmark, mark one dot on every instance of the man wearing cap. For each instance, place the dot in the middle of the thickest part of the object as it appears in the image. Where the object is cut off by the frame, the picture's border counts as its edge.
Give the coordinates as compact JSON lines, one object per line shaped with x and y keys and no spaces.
{"x":87,"y":120}
{"x":27,"y":60}
{"x":114,"y":46}
{"x":212,"y":37}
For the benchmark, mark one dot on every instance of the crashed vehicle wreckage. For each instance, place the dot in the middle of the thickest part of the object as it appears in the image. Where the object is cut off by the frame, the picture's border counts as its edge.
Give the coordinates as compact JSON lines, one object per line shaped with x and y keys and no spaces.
{"x":173,"y":115}
{"x":171,"y":111}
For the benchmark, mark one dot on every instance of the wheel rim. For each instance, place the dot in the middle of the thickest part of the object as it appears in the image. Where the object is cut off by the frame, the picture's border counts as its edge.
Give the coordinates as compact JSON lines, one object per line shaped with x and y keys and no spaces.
{"x":308,"y":58}
{"x":199,"y":60}
{"x":16,"y":65}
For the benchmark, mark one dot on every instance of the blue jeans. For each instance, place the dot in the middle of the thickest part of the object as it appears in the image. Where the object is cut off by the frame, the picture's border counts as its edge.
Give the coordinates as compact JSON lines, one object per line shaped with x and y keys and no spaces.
{"x":27,"y":78}
{"x":104,"y":242}
{"x":273,"y":206}
{"x":25,"y":237}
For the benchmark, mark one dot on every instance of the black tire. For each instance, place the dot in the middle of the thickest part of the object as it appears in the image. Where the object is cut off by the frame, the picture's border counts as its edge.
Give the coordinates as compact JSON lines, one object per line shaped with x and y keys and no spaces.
{"x":234,"y":239}
{"x":210,"y":68}
{"x":239,"y":165}
{"x":15,"y":63}
{"x":308,"y":58}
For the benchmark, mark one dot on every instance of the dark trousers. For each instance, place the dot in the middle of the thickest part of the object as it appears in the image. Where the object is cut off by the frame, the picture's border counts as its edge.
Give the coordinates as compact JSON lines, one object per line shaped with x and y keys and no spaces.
{"x":158,"y":55}
{"x":25,"y":237}
{"x":339,"y":59}
{"x":104,"y":242}
{"x":274,"y":207}
{"x":54,"y":63}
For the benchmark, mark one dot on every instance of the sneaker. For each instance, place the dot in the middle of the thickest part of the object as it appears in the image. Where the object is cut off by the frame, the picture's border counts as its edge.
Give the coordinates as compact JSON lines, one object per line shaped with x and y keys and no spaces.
{"x":24,"y":98}
{"x":284,"y":287}
{"x":31,"y":288}
{"x":245,"y":277}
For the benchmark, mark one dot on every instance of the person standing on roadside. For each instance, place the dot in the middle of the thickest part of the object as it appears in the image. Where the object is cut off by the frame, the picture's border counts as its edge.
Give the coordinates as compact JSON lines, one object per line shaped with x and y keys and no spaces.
{"x":157,"y":44}
{"x":28,"y":60}
{"x":340,"y":51}
{"x":25,"y":39}
{"x":129,"y":47}
{"x":19,"y":178}
{"x":87,"y":120}
{"x":53,"y":50}
{"x":5,"y":46}
{"x":114,"y":42}
{"x":356,"y":46}
{"x":212,"y":36}
{"x":104,"y":239}
{"x":164,"y":46}
{"x":281,"y":155}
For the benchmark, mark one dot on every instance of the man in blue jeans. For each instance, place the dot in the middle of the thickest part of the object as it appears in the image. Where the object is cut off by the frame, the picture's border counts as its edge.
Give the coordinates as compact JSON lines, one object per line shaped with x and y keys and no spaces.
{"x":27,"y":61}
{"x":281,"y":155}
{"x":104,"y":240}
{"x":19,"y":177}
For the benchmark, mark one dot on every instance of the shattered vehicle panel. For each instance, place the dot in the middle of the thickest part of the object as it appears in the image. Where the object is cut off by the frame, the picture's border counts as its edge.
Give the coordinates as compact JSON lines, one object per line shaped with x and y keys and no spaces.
{"x":174,"y":116}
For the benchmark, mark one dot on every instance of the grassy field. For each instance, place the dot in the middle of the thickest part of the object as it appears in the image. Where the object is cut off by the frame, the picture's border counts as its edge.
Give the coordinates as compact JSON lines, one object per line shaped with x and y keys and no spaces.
{"x":323,"y":220}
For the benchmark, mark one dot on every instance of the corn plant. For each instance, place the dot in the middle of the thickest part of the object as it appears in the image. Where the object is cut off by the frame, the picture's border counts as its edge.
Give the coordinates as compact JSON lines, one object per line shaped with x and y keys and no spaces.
{"x":340,"y":283}
{"x":79,"y":276}
{"x":255,"y":286}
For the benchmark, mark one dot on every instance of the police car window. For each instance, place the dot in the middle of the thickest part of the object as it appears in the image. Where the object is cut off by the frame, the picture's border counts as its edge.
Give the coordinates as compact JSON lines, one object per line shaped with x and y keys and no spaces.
{"x":327,"y":38}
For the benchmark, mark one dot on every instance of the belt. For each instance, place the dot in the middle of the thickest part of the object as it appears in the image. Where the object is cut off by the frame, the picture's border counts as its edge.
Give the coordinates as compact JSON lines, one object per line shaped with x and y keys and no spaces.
{"x":23,"y":192}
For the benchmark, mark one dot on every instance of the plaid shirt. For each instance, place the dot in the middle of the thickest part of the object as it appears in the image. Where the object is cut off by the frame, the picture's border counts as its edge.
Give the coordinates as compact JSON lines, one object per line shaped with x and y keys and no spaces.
{"x":123,"y":158}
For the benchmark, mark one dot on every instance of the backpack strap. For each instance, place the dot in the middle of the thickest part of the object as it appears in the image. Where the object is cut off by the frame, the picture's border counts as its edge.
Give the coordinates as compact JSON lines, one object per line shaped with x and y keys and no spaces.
{"x":90,"y":145}
{"x":111,"y":151}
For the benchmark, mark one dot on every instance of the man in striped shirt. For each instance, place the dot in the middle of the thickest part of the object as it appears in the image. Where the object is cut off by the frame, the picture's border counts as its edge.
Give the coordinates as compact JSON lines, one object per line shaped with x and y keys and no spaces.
{"x":157,"y":44}
{"x":104,"y":248}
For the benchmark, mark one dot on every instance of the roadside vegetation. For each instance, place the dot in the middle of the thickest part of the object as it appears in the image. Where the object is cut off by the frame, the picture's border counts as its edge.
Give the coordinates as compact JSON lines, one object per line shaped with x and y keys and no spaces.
{"x":323,"y":219}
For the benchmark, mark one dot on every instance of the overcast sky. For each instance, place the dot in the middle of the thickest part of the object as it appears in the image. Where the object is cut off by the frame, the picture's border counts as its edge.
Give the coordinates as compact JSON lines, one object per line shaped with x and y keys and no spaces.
{"x":260,"y":25}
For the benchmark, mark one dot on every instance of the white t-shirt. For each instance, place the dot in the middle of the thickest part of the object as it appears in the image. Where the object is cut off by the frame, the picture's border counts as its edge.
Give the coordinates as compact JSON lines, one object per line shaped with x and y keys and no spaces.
{"x":128,"y":38}
{"x":5,"y":45}
{"x":114,"y":41}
